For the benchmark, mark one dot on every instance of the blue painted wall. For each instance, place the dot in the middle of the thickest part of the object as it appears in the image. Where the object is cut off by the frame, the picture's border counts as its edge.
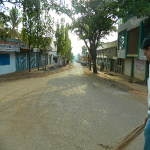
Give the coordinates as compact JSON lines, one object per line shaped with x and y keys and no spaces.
{"x":21,"y":63}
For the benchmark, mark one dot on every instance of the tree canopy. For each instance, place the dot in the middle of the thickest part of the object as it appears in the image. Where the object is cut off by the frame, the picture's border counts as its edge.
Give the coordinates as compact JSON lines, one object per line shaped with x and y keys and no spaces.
{"x":84,"y":49}
{"x":130,"y":8}
{"x":15,"y":20}
{"x":62,"y":40}
{"x":91,"y":21}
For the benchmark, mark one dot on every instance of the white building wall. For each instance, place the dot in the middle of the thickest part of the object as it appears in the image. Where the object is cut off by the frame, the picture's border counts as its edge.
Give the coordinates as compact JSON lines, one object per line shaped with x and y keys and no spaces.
{"x":51,"y":55}
{"x":139,"y":69}
{"x":121,"y":53}
{"x":131,"y":24}
{"x":9,"y":68}
{"x":108,"y":45}
{"x":127,"y":66}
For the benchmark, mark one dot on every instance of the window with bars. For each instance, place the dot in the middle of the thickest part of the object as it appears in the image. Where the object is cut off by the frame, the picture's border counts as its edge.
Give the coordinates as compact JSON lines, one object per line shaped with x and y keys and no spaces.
{"x":121,"y":39}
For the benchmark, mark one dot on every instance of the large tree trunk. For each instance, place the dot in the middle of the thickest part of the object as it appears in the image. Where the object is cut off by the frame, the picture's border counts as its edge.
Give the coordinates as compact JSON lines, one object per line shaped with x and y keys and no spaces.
{"x":94,"y":66}
{"x":93,"y":57}
{"x":90,"y":64}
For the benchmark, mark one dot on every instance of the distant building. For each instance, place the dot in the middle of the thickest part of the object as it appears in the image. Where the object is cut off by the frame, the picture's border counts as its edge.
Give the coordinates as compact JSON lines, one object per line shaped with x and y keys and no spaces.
{"x":14,"y":56}
{"x":53,"y":57}
{"x":106,"y":56}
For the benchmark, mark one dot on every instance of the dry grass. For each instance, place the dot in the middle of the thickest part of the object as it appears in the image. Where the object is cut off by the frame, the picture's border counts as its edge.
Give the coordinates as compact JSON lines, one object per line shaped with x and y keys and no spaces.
{"x":140,"y":93}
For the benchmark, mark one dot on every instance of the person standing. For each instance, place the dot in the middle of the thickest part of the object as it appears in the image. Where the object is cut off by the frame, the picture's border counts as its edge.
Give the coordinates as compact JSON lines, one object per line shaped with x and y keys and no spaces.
{"x":146,"y":47}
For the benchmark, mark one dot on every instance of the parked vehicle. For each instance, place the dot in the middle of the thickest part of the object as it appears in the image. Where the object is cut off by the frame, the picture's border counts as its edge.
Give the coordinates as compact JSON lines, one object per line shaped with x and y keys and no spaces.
{"x":83,"y":60}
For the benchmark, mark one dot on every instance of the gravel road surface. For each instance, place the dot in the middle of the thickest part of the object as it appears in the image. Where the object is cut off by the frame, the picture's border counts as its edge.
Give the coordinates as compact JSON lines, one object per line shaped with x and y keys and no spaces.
{"x":70,"y":110}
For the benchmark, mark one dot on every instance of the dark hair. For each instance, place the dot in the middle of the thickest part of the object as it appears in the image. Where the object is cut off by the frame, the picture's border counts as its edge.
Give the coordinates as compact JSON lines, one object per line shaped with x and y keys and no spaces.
{"x":146,"y":43}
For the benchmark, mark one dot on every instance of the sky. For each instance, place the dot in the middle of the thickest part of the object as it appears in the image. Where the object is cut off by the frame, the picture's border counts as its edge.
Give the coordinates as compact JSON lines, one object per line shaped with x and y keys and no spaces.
{"x":76,"y":43}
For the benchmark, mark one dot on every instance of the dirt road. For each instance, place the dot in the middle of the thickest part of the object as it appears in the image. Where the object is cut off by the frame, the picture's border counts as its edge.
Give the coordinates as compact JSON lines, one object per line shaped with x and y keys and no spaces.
{"x":70,"y":110}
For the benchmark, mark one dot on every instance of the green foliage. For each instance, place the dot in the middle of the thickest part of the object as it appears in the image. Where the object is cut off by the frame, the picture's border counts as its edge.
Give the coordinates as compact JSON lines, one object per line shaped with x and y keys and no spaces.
{"x":45,"y":31}
{"x":15,"y":20}
{"x":36,"y":26}
{"x":67,"y":44}
{"x":4,"y":30}
{"x":14,"y":17}
{"x":3,"y":20}
{"x":78,"y":56}
{"x":62,"y":39}
{"x":45,"y":43}
{"x":30,"y":20}
{"x":9,"y":30}
{"x":4,"y":33}
{"x":130,"y":8}
{"x":69,"y":50}
{"x":72,"y":57}
{"x":91,"y":21}
{"x":11,"y":1}
{"x":84,"y":49}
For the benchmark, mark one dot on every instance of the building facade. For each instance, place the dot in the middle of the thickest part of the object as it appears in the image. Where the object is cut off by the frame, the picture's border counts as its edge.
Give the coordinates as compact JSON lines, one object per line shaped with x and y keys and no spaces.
{"x":106,"y":56}
{"x":54,"y":58}
{"x":130,"y":57}
{"x":14,"y":56}
{"x":8,"y":50}
{"x":125,"y":55}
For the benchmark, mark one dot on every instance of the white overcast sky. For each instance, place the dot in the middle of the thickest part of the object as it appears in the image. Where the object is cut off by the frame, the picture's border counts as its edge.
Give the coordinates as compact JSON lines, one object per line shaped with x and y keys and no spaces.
{"x":75,"y":42}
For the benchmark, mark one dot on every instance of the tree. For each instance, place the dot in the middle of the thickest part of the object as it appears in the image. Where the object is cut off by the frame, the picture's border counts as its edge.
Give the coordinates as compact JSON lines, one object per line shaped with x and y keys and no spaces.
{"x":67,"y":44}
{"x":15,"y":20}
{"x":9,"y":24}
{"x":92,"y":20}
{"x":84,"y":49}
{"x":62,"y":40}
{"x":72,"y":57}
{"x":78,"y":57}
{"x":95,"y":20}
{"x":45,"y":32}
{"x":4,"y":30}
{"x":31,"y":11}
{"x":126,"y":7}
{"x":69,"y":51}
{"x":129,"y":8}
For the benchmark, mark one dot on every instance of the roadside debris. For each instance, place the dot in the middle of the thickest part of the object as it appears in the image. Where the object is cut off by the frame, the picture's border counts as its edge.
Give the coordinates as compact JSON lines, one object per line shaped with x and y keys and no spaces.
{"x":105,"y":146}
{"x":130,"y":80}
{"x":33,"y":74}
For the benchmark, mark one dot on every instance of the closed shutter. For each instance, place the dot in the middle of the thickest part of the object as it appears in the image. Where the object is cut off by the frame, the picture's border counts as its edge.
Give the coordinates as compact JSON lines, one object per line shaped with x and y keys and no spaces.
{"x":133,"y":39}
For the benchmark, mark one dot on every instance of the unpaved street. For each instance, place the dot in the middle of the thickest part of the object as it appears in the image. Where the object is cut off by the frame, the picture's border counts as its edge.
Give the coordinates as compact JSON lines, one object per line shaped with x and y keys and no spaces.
{"x":70,"y":110}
